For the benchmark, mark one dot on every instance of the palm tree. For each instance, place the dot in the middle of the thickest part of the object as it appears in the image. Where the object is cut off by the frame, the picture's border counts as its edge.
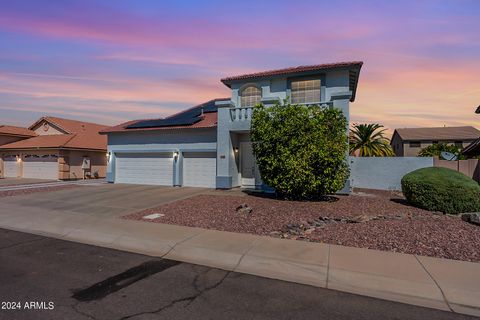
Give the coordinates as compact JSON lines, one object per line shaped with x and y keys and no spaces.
{"x":369,"y":141}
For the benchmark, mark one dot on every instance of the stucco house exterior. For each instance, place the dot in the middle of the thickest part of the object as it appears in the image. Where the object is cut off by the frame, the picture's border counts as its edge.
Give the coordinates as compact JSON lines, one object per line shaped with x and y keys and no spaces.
{"x":209,"y":145}
{"x":407,"y":142}
{"x":56,"y":149}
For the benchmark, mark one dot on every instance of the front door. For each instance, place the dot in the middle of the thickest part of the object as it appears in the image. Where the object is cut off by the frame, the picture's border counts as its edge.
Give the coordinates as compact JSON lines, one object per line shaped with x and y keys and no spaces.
{"x":249,"y":170}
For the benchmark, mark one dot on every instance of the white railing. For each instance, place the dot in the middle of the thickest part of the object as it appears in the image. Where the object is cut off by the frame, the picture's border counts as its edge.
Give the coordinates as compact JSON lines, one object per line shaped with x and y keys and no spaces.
{"x":241,"y":114}
{"x":245,"y":113}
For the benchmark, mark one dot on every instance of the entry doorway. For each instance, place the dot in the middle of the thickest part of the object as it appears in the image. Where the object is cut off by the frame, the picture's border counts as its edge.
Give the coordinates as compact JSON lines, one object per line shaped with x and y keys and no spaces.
{"x":250,"y":175}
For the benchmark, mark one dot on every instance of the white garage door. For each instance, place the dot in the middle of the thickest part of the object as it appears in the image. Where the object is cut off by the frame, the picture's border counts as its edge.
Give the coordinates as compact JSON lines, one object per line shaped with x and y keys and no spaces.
{"x":10,"y":167}
{"x":40,"y":167}
{"x":144,"y":168}
{"x":200,"y":169}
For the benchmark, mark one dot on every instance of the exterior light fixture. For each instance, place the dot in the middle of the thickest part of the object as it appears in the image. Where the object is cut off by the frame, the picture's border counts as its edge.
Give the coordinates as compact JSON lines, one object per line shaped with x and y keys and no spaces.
{"x":235,"y":150}
{"x":175,"y":155}
{"x":109,"y":155}
{"x":19,"y":158}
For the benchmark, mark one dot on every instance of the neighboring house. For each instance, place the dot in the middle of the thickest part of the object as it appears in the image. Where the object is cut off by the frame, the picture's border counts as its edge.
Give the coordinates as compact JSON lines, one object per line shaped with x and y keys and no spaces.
{"x":473,"y":149}
{"x":209,"y":144}
{"x":10,"y":134}
{"x":407,"y":142}
{"x":56,"y":149}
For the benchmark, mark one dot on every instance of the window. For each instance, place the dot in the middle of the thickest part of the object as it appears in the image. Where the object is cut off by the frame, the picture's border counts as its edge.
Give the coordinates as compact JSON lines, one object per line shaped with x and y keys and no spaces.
{"x":250,"y":96}
{"x":459,"y":144}
{"x":305,"y":91}
{"x":414,"y":144}
{"x":434,"y":142}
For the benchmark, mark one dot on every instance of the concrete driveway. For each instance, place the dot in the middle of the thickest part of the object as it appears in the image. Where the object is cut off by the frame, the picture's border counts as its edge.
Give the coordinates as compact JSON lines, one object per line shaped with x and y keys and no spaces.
{"x":105,"y":200}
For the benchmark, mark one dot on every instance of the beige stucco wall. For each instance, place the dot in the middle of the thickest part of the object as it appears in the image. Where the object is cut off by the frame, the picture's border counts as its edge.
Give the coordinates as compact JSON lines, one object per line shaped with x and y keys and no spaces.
{"x":98,"y":161}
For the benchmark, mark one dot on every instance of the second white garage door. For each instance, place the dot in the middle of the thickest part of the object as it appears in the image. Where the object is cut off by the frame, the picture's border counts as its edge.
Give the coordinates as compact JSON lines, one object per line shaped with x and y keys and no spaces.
{"x":144,"y":168}
{"x":40,"y":167}
{"x":200,"y":169}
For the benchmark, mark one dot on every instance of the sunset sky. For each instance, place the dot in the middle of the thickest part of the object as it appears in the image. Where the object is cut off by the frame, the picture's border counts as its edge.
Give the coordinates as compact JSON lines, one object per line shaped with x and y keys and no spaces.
{"x":113,"y":61}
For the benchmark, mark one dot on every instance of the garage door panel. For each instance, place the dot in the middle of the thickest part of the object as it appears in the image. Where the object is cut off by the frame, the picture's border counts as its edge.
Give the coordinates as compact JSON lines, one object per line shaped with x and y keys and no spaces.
{"x":144,"y":168}
{"x":10,"y":167}
{"x":200,"y":169}
{"x":42,"y":167}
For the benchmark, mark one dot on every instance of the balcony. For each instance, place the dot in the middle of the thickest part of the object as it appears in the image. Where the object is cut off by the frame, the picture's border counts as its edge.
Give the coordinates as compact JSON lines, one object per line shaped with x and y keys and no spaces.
{"x":241,"y":114}
{"x":244,"y":114}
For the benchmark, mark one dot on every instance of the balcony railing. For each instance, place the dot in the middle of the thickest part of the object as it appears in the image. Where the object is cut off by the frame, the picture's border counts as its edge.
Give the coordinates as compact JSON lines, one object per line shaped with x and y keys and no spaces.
{"x":241,"y":114}
{"x":245,"y":113}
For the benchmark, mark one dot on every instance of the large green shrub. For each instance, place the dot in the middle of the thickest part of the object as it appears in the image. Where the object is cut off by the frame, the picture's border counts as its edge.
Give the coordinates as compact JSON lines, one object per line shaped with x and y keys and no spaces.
{"x":441,"y":189}
{"x":300,"y":150}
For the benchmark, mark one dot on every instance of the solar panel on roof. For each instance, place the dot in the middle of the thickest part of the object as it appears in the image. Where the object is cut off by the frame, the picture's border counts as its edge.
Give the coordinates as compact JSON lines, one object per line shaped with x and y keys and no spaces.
{"x":185,"y":118}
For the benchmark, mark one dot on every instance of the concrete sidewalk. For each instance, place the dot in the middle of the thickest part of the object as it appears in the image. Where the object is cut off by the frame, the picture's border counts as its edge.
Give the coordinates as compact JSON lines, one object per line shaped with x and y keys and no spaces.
{"x":430,"y":282}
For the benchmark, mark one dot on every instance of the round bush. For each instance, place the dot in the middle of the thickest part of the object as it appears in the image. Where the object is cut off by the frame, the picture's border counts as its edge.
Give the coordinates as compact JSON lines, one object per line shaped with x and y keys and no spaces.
{"x":441,"y":189}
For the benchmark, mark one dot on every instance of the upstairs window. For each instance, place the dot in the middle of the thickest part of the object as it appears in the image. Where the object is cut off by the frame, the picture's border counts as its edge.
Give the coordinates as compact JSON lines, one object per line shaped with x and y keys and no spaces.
{"x":305,"y":91}
{"x":250,"y":96}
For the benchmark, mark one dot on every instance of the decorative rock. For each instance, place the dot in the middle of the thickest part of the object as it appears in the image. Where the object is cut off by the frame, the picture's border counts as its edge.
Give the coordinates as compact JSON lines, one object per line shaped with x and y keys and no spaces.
{"x":361,"y":218}
{"x":244,"y":209}
{"x":473,"y":218}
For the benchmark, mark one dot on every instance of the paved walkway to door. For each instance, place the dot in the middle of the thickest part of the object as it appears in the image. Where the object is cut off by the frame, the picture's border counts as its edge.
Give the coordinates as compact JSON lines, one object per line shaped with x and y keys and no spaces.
{"x":89,"y":215}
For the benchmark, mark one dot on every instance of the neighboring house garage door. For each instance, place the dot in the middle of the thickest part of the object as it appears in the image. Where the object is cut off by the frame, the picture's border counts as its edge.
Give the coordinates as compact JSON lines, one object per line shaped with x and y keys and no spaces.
{"x":144,"y":168}
{"x":10,"y":167}
{"x":200,"y":169}
{"x":40,"y":167}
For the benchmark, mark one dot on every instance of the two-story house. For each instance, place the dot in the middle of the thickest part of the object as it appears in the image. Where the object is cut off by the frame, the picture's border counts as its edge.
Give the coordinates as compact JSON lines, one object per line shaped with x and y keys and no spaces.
{"x":209,"y":145}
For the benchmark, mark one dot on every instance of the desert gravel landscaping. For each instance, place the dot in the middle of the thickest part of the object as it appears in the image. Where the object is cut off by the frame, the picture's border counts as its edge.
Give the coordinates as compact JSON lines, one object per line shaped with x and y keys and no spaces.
{"x":367,"y":219}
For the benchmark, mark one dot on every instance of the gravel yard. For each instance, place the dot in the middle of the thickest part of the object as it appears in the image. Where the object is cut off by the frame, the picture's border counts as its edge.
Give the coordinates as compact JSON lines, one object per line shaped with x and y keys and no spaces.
{"x":368,"y":219}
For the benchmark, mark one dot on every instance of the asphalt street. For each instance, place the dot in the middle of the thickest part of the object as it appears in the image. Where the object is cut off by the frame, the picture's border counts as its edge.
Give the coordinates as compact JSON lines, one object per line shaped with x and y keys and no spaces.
{"x":44,"y":278}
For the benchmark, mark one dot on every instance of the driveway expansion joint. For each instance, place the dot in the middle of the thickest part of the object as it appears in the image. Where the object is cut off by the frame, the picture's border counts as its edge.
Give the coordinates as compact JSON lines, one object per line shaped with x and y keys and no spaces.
{"x":436,"y":283}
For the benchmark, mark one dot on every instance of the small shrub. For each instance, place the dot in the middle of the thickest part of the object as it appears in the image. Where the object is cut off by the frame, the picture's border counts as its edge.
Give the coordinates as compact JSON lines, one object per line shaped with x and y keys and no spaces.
{"x":441,"y":189}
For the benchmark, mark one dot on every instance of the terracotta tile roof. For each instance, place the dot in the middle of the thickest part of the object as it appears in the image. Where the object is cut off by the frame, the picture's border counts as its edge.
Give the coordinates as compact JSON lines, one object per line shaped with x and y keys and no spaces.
{"x":353,"y":66}
{"x":439,"y":133}
{"x":317,"y":67}
{"x":70,"y":126}
{"x":16,"y":131}
{"x":81,"y":135}
{"x":208,"y":120}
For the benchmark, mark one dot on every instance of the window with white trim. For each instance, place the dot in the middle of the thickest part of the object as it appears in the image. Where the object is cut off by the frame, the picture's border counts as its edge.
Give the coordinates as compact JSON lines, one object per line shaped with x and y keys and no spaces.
{"x":305,"y":91}
{"x":250,"y":96}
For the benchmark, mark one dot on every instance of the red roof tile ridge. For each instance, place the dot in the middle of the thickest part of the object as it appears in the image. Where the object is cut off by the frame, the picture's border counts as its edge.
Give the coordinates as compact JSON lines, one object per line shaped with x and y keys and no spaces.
{"x":293,"y":69}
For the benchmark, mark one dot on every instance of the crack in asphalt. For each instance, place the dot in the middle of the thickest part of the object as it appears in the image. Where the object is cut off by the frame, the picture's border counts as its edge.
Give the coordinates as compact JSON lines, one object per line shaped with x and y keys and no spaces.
{"x":190,"y":299}
{"x":76,"y":310}
{"x":23,"y":243}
